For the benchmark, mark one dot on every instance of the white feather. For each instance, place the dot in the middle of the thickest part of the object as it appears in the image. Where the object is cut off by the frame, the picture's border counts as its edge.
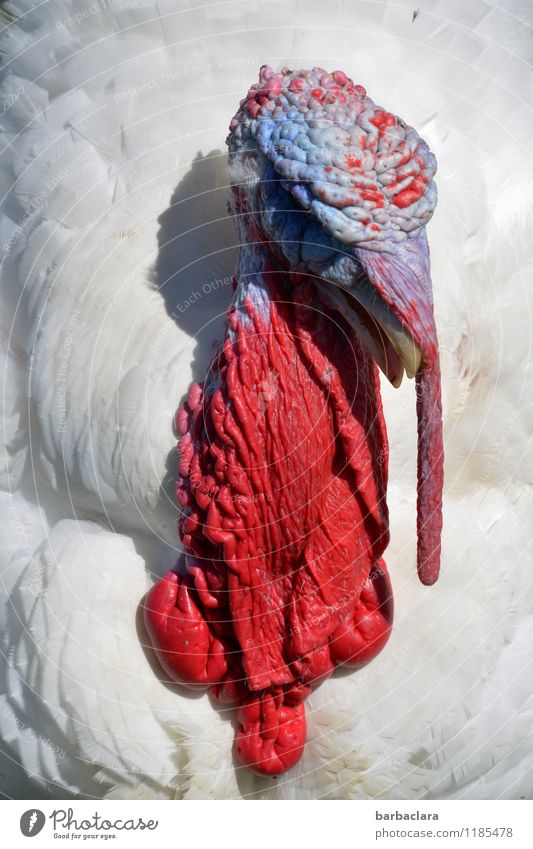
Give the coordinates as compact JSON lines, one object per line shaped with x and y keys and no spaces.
{"x":118,"y":256}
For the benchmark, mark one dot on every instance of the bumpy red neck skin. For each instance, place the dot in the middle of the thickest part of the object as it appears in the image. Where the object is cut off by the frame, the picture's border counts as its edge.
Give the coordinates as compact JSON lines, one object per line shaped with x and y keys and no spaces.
{"x":282,"y":481}
{"x":283,"y":449}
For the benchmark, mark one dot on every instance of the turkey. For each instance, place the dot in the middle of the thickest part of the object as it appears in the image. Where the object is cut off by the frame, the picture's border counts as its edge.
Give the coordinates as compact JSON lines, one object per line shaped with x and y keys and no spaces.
{"x":283,"y":451}
{"x":118,"y":257}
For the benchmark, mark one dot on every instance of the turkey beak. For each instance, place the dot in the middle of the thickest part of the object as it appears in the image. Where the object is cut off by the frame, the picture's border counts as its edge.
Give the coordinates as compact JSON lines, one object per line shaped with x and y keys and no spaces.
{"x":385,"y":337}
{"x":401,"y":304}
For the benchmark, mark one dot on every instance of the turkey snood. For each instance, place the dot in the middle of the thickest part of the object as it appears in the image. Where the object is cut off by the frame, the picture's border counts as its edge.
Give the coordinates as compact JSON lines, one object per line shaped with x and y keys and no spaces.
{"x":283,"y":449}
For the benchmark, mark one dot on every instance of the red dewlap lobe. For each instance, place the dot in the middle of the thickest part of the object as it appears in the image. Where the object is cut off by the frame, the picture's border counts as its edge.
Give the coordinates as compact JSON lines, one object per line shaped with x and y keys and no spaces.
{"x":282,"y":479}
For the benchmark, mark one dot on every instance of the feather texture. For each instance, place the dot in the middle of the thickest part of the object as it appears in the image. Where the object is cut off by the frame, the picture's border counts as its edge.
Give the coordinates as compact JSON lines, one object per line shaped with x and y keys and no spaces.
{"x":117,"y":262}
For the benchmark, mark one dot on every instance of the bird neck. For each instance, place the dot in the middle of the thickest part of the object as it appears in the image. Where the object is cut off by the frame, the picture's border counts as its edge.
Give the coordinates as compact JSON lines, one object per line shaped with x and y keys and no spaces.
{"x":283,"y":461}
{"x":291,"y":390}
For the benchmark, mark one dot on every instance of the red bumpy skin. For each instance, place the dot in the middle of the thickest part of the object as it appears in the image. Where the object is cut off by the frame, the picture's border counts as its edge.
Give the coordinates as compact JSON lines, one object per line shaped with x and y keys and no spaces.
{"x":283,"y":448}
{"x":284,"y":519}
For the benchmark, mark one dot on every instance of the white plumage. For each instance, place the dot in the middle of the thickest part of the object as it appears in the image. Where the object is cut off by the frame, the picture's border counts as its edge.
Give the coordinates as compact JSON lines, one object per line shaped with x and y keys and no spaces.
{"x":117,"y":262}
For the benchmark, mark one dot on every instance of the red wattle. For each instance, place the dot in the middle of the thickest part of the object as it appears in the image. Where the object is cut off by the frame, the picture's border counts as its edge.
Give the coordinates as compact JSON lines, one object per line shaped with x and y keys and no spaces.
{"x":283,"y":465}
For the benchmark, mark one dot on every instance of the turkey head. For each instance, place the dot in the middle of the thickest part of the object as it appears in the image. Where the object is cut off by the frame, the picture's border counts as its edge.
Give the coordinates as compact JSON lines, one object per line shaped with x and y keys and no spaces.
{"x":283,"y":448}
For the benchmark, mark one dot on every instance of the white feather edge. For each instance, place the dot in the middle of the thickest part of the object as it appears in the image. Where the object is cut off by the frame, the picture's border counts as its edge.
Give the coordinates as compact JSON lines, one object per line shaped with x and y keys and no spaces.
{"x":106,"y":146}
